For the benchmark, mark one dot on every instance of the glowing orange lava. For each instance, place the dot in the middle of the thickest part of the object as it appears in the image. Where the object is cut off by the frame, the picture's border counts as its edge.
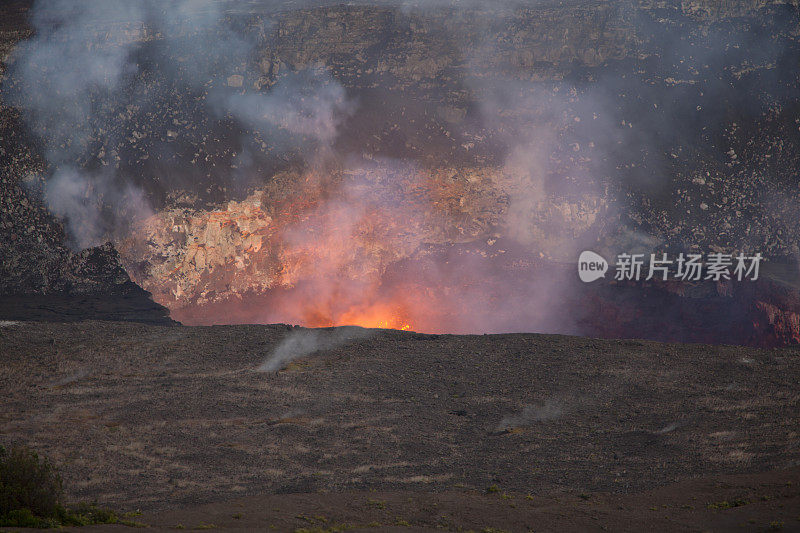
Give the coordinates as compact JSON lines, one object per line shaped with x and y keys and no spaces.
{"x":378,"y":315}
{"x":375,"y":320}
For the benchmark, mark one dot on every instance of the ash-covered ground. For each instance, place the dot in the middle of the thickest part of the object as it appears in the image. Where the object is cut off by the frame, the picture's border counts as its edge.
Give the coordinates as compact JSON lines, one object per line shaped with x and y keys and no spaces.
{"x":156,"y":417}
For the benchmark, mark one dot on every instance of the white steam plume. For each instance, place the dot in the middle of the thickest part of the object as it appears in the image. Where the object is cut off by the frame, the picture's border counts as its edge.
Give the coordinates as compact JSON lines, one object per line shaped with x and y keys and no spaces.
{"x":303,"y":342}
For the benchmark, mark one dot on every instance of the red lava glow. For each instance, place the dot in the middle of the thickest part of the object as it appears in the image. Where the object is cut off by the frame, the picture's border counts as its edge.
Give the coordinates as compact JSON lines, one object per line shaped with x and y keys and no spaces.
{"x":379,"y":315}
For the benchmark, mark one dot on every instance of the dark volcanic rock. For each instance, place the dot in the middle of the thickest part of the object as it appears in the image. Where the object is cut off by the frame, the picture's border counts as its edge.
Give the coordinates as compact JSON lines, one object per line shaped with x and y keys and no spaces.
{"x":42,"y":279}
{"x":88,"y":285}
{"x":764,"y":313}
{"x":131,"y":304}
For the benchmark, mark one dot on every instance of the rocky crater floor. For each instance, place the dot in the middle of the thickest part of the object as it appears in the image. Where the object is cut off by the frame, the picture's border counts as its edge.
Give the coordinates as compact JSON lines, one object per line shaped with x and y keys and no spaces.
{"x":164,"y":419}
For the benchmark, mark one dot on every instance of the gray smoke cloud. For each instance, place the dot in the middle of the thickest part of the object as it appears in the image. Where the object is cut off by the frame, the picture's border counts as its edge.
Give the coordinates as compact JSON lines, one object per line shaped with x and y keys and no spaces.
{"x":304,"y":105}
{"x":91,"y":66}
{"x":303,"y":342}
{"x":72,"y":195}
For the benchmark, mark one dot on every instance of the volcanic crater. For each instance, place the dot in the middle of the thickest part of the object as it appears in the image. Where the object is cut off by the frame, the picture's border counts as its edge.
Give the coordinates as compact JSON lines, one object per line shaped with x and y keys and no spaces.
{"x":189,"y":192}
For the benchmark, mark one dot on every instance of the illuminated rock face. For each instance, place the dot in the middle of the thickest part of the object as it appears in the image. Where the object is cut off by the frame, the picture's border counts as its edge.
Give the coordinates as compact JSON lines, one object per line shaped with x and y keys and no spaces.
{"x":349,"y":231}
{"x":183,"y":255}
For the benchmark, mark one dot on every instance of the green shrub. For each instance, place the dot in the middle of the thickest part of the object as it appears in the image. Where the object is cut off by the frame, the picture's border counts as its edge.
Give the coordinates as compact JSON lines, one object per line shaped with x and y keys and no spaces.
{"x":28,"y":482}
{"x":25,"y":518}
{"x":84,"y":514}
{"x":31,"y":494}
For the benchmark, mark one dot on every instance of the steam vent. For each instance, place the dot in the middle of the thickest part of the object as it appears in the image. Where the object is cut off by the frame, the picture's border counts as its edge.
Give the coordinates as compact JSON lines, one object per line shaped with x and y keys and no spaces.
{"x":402,"y":264}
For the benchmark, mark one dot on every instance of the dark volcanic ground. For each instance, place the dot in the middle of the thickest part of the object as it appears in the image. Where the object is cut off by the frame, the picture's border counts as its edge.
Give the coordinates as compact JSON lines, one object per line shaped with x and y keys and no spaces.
{"x":153,"y":417}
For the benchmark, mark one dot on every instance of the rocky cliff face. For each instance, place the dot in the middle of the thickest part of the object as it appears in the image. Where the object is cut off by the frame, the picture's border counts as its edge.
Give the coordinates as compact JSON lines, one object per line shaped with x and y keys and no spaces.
{"x":765,"y":313}
{"x":35,"y":259}
{"x":41,"y":277}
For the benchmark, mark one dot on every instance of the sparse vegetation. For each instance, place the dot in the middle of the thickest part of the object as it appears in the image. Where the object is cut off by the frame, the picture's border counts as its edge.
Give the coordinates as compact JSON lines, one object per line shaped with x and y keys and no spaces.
{"x":727,"y":504}
{"x":31,"y":495}
{"x":377,"y":504}
{"x":28,"y":483}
